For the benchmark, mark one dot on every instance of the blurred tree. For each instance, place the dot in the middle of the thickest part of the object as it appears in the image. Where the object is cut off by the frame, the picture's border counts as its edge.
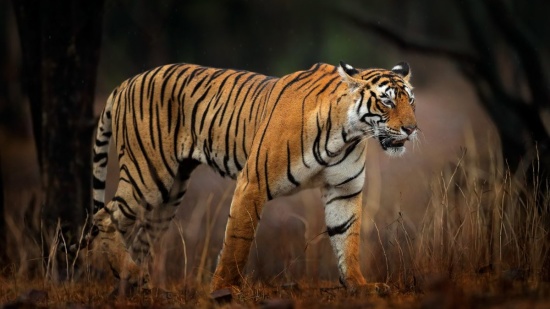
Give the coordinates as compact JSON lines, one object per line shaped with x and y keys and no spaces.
{"x":3,"y":103}
{"x":243,"y":34}
{"x":3,"y":239}
{"x":498,"y":49}
{"x":60,"y":43}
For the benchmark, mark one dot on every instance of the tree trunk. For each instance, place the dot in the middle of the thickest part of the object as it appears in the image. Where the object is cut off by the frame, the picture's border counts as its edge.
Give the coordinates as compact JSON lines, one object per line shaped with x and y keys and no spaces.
{"x":60,"y":45}
{"x":27,"y":14}
{"x":71,"y":37}
{"x":3,"y":240}
{"x":3,"y":104}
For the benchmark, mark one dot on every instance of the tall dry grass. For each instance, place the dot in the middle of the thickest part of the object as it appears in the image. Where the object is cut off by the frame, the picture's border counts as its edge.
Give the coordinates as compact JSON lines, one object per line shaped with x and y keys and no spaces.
{"x":481,"y":220}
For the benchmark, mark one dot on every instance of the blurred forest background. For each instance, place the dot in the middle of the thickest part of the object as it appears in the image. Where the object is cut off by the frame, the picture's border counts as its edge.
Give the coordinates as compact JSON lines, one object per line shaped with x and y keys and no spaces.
{"x":466,"y":197}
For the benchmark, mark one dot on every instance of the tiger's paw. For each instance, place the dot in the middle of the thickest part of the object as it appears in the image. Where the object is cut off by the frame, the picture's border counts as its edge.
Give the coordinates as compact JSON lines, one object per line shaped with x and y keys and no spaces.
{"x":382,"y":289}
{"x":222,"y":296}
{"x":129,"y":288}
{"x":377,"y":288}
{"x":124,"y":289}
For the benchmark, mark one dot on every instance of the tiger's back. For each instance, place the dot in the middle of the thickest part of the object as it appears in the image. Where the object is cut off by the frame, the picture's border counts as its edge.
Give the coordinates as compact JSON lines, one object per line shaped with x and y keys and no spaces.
{"x":189,"y":111}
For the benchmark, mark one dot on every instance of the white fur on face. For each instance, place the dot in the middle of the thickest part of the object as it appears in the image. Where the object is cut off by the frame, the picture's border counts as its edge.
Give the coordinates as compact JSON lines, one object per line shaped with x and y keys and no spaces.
{"x":395,"y":151}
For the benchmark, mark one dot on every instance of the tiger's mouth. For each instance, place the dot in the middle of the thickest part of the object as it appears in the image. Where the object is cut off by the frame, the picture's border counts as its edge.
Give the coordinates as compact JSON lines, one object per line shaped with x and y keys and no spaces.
{"x":389,"y":142}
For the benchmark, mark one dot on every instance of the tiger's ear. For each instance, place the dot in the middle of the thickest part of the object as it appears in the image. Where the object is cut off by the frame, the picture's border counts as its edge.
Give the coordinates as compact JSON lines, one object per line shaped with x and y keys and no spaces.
{"x":348,"y":73}
{"x":402,"y":69}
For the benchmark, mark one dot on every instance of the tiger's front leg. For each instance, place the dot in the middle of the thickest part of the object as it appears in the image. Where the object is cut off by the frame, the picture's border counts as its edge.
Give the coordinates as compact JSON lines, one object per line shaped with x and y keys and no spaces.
{"x":343,"y":213}
{"x":244,"y":215}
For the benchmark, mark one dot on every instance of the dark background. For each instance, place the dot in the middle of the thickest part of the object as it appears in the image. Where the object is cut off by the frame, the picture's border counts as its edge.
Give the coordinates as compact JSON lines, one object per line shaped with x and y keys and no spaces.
{"x":480,"y":69}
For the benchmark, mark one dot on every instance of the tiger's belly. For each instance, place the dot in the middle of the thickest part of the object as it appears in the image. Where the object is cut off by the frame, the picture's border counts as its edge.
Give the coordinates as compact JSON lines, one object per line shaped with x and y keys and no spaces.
{"x":225,"y":163}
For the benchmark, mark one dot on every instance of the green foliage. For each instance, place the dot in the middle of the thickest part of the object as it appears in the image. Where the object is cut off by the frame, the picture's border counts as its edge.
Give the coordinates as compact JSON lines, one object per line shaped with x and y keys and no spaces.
{"x":271,"y":37}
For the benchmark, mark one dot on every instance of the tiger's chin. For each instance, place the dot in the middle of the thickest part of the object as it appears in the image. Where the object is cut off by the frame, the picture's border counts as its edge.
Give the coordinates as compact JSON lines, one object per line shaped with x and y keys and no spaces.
{"x":393,"y":148}
{"x":395,"y":151}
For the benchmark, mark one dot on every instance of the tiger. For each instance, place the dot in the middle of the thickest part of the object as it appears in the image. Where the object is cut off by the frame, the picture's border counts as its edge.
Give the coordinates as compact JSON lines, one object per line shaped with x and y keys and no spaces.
{"x":274,"y":136}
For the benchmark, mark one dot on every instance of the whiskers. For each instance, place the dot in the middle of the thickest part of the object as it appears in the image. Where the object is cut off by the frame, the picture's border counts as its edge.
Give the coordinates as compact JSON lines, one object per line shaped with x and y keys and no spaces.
{"x":369,"y":133}
{"x":416,"y":140}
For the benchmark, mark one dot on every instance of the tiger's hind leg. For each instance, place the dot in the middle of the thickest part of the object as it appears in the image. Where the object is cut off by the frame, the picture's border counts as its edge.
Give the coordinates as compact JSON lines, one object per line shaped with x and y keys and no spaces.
{"x":110,"y":243}
{"x":116,"y":223}
{"x":154,"y":223}
{"x":128,"y":227}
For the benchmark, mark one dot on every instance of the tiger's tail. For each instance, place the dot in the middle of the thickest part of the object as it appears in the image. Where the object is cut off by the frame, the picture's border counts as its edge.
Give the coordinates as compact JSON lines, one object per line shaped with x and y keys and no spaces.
{"x":100,"y":157}
{"x":101,"y":154}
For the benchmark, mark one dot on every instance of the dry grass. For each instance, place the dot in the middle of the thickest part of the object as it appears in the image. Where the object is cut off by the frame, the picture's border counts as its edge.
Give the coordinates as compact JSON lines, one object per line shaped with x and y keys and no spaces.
{"x":463,"y":292}
{"x":484,"y":241}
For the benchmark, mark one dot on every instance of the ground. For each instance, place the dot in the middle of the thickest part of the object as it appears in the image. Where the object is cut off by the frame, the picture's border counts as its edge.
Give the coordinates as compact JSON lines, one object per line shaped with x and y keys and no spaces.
{"x":481,"y":291}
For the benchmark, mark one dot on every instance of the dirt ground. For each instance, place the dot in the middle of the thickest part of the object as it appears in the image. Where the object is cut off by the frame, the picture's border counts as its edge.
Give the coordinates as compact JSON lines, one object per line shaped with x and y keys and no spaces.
{"x":479,"y":292}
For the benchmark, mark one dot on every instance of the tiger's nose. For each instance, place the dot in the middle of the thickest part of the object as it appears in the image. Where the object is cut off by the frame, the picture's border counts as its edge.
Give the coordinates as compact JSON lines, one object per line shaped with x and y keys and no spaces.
{"x":409,"y":129}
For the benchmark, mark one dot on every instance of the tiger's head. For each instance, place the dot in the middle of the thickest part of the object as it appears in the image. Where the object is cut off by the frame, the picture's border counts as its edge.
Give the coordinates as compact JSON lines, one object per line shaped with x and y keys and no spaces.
{"x":381,"y":105}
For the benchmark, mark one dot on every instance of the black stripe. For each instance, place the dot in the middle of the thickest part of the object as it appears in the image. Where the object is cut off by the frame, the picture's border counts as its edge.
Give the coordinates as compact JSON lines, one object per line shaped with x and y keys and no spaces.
{"x":328,"y":129}
{"x":98,"y":206}
{"x":125,"y":208}
{"x":376,"y":79}
{"x":352,"y":177}
{"x":175,"y":136}
{"x":257,"y":92}
{"x":99,"y":143}
{"x":288,"y":172}
{"x":316,"y":145}
{"x":169,"y":106}
{"x":99,"y":156}
{"x":343,"y":197}
{"x":375,"y":73}
{"x":235,"y":81}
{"x":269,"y":196}
{"x":151,"y":84}
{"x":97,"y":183}
{"x":211,"y":127}
{"x":180,"y":195}
{"x":244,"y":140}
{"x":312,"y":83}
{"x":327,"y":84}
{"x":241,"y":237}
{"x":181,"y":93}
{"x":198,"y":85}
{"x":347,"y":153}
{"x":206,"y":111}
{"x":361,"y":101}
{"x":303,"y":126}
{"x":167,"y":74}
{"x":342,"y":228}
{"x":152,"y":117}
{"x":344,"y":135}
{"x":131,"y":180}
{"x":162,"y":152}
